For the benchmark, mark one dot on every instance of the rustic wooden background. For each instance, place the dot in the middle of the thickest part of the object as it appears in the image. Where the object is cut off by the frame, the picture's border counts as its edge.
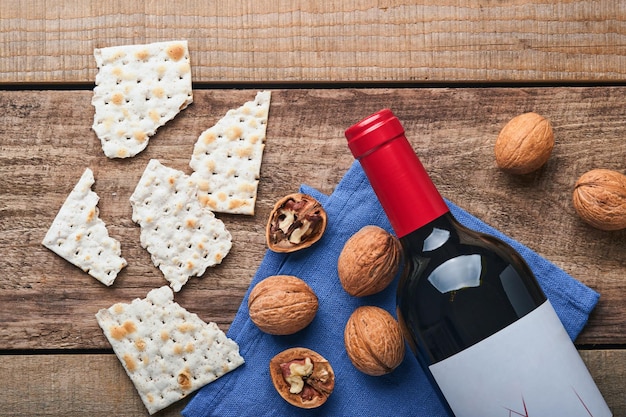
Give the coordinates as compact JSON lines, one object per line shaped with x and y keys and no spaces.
{"x":454,"y":71}
{"x":326,"y":41}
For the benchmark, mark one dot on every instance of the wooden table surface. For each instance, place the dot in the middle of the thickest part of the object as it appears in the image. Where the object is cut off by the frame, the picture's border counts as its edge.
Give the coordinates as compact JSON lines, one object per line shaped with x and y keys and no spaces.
{"x":453,"y":71}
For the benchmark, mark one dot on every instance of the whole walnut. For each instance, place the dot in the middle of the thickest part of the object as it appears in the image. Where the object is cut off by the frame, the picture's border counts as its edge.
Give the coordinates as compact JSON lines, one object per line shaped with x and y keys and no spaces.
{"x":374,"y":341}
{"x":600,"y":199}
{"x":369,"y":261}
{"x":524,"y":144}
{"x":282,"y":304}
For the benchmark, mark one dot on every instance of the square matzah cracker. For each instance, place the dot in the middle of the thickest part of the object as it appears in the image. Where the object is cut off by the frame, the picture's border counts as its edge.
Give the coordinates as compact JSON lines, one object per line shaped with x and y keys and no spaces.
{"x":138,"y":89}
{"x":227,"y":158}
{"x":79,"y":236}
{"x":166,"y":351}
{"x":182,"y":236}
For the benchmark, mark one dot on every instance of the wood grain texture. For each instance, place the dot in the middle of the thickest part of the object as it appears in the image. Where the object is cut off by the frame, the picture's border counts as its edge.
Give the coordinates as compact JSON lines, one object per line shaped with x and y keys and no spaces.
{"x":46,"y":143}
{"x":52,"y":41}
{"x":71,"y":386}
{"x":96,"y":385}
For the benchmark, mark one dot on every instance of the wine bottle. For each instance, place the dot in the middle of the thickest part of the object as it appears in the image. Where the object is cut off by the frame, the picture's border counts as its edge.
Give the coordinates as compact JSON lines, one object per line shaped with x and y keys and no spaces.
{"x":470,"y":307}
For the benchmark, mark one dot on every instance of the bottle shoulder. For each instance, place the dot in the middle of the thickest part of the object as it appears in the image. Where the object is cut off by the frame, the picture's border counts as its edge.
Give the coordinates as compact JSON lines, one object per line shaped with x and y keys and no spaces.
{"x":460,"y":286}
{"x":445,"y":237}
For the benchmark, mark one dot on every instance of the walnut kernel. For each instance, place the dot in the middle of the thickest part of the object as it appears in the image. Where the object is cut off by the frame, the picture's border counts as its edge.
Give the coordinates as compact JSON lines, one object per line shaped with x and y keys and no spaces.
{"x":302,"y":377}
{"x":296,"y":222}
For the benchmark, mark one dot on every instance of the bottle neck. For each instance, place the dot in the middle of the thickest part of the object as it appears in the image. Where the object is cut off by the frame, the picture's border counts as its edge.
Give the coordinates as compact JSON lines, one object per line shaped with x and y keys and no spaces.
{"x":402,"y":185}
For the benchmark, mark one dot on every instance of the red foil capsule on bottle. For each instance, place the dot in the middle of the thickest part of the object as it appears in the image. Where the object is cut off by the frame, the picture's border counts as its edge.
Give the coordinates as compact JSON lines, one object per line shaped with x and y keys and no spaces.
{"x":393,"y":169}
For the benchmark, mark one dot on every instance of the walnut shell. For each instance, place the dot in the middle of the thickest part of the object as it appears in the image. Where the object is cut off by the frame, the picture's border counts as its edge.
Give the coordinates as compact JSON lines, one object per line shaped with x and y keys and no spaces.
{"x":369,"y":261}
{"x":296,"y":222}
{"x":524,"y":144}
{"x":600,"y":199}
{"x":374,"y":341}
{"x":311,"y":384}
{"x":282,"y":304}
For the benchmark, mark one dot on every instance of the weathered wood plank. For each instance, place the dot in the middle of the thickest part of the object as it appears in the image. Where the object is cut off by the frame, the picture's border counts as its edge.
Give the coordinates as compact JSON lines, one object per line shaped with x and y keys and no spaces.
{"x":46,"y":142}
{"x":96,"y":385}
{"x":325,"y":41}
{"x":71,"y":385}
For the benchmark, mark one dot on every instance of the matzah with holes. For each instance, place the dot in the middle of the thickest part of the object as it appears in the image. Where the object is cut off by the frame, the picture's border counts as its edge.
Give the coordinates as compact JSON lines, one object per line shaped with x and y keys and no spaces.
{"x":79,"y":236}
{"x":167,"y":352}
{"x":138,"y":89}
{"x":227,"y":158}
{"x":182,"y":236}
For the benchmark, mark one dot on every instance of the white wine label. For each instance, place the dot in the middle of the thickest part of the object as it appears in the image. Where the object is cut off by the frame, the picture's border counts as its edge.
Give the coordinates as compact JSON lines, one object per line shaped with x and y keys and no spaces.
{"x":529,"y":369}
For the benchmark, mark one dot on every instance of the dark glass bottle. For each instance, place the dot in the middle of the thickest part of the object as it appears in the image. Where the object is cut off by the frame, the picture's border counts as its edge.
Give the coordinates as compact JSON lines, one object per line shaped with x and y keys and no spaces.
{"x":471,"y":309}
{"x":466,"y":286}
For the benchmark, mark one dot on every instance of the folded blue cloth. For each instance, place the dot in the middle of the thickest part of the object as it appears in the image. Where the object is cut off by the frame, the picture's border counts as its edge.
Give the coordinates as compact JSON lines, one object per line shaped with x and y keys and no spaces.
{"x":248,"y":390}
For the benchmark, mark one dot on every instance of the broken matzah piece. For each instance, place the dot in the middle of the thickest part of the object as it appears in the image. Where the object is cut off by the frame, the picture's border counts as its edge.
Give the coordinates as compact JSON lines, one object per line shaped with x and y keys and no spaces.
{"x":182,"y":236}
{"x":166,"y":351}
{"x":227,"y":158}
{"x":138,"y":89}
{"x":79,"y":236}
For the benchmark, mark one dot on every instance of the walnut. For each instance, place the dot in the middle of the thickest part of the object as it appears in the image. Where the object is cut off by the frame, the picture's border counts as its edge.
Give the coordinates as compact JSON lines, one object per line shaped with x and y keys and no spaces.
{"x":524,"y":144}
{"x":282,"y":304}
{"x":374,"y":341}
{"x":302,"y":377}
{"x":369,"y":261}
{"x":296,"y":222}
{"x":600,"y":199}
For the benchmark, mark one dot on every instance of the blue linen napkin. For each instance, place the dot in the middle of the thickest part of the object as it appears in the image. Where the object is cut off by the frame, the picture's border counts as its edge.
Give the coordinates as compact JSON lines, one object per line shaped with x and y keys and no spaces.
{"x":248,"y":390}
